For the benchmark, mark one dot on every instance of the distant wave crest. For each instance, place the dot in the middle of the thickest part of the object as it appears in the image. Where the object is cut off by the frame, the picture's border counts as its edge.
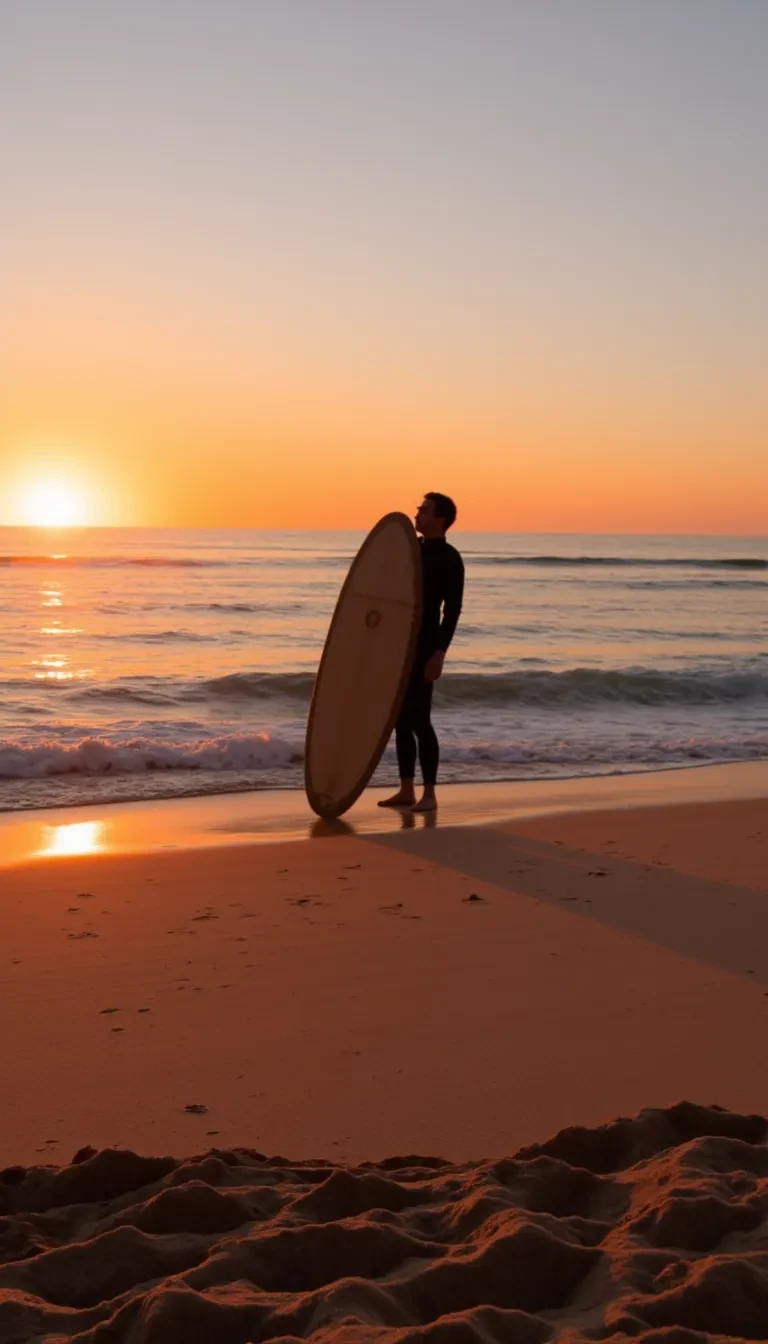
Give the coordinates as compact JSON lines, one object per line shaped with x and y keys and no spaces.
{"x":626,"y":561}
{"x":325,"y":560}
{"x":577,"y":687}
{"x":168,"y":561}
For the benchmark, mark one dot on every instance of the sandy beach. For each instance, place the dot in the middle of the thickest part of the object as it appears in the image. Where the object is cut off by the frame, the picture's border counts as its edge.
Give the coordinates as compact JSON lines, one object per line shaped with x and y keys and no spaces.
{"x":459,"y":992}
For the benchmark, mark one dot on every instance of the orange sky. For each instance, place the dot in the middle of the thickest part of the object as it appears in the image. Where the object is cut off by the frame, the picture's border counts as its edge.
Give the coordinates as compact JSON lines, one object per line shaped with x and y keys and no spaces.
{"x":366,"y":257}
{"x":203,"y":444}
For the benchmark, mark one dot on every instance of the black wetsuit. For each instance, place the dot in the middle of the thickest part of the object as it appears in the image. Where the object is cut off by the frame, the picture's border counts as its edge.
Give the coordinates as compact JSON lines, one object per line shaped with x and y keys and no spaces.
{"x":443,"y":571}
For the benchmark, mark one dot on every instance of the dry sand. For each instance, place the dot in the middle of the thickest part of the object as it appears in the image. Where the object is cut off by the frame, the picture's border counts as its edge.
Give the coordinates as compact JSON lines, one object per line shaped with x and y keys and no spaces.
{"x":453,"y":991}
{"x":652,"y":1228}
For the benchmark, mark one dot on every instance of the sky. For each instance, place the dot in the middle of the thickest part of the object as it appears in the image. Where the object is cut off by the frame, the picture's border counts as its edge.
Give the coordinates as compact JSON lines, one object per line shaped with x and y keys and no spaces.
{"x":291,"y":263}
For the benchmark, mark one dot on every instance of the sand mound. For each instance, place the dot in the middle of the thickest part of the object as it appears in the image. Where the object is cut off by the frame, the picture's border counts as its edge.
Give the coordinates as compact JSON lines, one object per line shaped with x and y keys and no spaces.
{"x":653,"y":1228}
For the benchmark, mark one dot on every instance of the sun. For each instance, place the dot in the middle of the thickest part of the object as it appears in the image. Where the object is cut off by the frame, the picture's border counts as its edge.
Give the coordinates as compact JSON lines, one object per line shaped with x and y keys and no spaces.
{"x":53,"y":503}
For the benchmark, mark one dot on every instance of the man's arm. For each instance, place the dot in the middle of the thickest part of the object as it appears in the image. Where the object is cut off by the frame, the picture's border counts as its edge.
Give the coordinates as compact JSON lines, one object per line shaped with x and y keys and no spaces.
{"x":454,"y":596}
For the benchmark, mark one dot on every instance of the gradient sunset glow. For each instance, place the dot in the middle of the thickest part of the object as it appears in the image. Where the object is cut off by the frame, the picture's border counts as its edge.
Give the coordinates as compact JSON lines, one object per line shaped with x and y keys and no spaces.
{"x":287,"y":265}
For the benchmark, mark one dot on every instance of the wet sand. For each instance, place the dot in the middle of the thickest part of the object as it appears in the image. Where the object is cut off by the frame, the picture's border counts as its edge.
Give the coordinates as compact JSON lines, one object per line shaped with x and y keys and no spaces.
{"x":462,"y":990}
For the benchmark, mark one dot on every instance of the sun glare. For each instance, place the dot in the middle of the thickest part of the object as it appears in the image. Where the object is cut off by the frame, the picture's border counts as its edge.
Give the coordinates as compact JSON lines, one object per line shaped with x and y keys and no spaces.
{"x":81,"y":837}
{"x":53,"y":503}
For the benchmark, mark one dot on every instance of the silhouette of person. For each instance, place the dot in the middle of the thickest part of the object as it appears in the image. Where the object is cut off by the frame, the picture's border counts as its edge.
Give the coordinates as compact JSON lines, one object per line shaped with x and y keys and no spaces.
{"x":443,"y":592}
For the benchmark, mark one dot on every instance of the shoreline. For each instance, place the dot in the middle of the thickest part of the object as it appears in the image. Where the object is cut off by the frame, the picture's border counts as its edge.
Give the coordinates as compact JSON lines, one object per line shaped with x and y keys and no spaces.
{"x":497,"y":782}
{"x":269,"y":816}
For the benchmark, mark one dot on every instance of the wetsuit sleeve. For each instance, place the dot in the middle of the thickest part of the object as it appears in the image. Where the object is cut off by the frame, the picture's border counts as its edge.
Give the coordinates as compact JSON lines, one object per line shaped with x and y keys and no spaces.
{"x":454,"y":595}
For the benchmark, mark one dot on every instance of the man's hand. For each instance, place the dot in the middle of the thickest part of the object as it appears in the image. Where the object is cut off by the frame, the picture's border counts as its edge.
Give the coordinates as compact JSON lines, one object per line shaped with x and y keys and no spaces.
{"x":434,"y":667}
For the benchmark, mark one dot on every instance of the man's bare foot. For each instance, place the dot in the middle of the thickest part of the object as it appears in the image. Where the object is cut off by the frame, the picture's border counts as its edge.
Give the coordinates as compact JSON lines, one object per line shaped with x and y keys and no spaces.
{"x":426,"y":804}
{"x":399,"y":799}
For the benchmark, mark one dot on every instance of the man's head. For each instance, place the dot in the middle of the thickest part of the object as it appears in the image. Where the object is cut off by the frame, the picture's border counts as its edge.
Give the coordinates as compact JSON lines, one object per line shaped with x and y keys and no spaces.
{"x":435,"y":515}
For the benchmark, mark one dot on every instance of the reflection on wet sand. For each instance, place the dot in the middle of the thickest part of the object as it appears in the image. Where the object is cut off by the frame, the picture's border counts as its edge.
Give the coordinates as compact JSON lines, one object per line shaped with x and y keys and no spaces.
{"x":80,"y":837}
{"x":271,"y":816}
{"x":322,"y":828}
{"x":408,"y":819}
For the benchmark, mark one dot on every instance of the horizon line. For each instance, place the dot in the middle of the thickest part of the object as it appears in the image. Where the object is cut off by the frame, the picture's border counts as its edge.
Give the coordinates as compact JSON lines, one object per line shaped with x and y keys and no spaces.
{"x":489,"y":532}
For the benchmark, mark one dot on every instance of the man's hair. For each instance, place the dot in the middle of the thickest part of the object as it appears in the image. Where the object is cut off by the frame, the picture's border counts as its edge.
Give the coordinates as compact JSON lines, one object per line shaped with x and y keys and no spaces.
{"x":444,"y":507}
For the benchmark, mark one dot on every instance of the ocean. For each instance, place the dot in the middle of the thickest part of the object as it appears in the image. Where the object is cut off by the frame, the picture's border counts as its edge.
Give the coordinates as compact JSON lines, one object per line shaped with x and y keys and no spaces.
{"x":142,"y":664}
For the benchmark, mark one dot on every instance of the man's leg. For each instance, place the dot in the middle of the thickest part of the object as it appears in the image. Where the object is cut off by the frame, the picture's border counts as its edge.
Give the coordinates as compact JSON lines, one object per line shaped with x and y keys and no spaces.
{"x":405,"y":743}
{"x":429,"y":747}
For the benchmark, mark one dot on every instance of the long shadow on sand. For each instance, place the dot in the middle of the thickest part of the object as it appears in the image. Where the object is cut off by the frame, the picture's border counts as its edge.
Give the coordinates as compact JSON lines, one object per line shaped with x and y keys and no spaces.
{"x":715,"y":922}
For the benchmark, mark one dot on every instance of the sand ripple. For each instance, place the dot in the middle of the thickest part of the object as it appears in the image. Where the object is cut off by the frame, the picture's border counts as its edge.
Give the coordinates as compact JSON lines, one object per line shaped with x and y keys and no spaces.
{"x":653,"y":1228}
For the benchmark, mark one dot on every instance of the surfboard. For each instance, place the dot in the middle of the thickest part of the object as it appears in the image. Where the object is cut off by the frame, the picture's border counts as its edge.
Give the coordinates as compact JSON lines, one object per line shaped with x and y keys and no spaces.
{"x":365,"y":666}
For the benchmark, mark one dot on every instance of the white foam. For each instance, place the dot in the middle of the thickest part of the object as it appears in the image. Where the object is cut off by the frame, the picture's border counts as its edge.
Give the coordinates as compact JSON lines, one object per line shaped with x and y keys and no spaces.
{"x":99,"y":756}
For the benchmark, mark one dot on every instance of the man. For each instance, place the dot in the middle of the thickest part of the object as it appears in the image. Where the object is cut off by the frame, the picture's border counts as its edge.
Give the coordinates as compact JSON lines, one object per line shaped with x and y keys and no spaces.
{"x":443,"y":571}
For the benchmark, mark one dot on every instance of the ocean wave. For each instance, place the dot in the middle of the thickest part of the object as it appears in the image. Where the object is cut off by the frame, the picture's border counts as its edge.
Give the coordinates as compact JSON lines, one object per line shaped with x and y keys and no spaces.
{"x":626,"y":561}
{"x":155,"y":637}
{"x":100,"y":756}
{"x":169,"y":562}
{"x":333,"y":561}
{"x":259,"y":686}
{"x":582,"y":686}
{"x":236,"y":606}
{"x":146,"y":691}
{"x":577,"y":688}
{"x":164,"y":691}
{"x":265,"y":759}
{"x":227,"y":608}
{"x":687,"y":584}
{"x":113,"y":561}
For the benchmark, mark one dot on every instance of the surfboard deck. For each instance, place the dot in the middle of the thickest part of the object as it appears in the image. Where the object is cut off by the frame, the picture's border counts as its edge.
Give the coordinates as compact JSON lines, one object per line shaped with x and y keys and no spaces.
{"x":365,"y":665}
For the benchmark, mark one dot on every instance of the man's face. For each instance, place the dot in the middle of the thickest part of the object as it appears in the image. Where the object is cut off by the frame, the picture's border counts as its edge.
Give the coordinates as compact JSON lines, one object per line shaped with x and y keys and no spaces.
{"x":426,"y":519}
